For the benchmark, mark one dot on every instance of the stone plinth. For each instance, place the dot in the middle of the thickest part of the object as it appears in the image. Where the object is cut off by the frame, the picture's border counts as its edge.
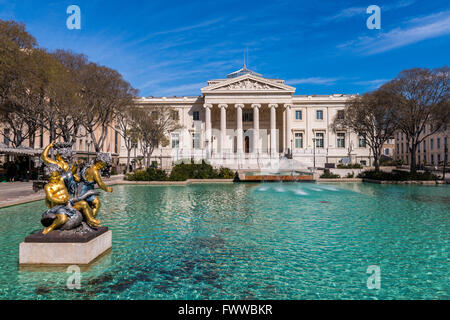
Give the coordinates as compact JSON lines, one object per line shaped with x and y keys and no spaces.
{"x":64,"y":248}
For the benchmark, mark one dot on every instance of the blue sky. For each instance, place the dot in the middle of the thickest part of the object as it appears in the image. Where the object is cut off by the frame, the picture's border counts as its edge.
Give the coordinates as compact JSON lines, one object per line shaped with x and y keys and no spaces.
{"x":167,"y":48}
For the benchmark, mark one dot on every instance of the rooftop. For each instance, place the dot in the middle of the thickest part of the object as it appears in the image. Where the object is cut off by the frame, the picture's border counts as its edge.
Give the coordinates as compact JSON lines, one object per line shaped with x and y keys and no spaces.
{"x":241,"y":72}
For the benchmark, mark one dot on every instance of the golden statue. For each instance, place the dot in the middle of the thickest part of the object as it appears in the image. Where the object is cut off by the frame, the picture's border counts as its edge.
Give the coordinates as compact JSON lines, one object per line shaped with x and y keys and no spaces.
{"x":90,"y":176}
{"x":64,"y":156}
{"x":67,"y":210}
{"x":64,"y":213}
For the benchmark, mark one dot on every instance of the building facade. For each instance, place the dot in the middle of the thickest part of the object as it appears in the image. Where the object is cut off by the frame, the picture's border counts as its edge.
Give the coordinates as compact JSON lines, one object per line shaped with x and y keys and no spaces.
{"x":431,"y":152}
{"x":246,"y":121}
{"x":83,"y":146}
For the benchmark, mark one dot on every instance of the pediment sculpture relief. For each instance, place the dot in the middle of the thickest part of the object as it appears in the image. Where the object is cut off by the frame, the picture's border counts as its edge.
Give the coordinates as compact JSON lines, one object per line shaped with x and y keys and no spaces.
{"x":249,"y":85}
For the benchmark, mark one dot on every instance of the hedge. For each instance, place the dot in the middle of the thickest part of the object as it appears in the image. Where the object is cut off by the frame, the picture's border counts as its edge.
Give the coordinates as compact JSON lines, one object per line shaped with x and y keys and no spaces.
{"x":397,"y":175}
{"x":182,"y":172}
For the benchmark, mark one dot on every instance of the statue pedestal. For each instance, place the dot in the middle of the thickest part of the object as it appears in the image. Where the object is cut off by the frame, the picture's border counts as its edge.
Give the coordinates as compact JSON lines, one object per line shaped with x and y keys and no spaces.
{"x":65,"y":247}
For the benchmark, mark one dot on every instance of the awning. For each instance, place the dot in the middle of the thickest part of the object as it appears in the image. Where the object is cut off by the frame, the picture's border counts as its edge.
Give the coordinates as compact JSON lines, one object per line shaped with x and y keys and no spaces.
{"x":20,"y":151}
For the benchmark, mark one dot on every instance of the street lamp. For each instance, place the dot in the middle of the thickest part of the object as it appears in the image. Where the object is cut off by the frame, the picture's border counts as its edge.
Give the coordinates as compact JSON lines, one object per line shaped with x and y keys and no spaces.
{"x":134,"y":145}
{"x":89,"y":152}
{"x":291,"y":151}
{"x":445,"y":160}
{"x":314,"y":152}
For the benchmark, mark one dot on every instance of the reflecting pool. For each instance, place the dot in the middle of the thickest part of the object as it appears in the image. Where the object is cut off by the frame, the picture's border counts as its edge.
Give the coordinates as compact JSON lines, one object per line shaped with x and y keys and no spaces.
{"x":251,"y":241}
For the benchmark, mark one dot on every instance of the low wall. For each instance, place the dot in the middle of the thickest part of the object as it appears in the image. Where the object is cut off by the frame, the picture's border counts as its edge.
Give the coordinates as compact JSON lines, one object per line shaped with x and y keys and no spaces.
{"x":172,"y":183}
{"x":405,"y":182}
{"x":340,"y":180}
{"x":344,"y":172}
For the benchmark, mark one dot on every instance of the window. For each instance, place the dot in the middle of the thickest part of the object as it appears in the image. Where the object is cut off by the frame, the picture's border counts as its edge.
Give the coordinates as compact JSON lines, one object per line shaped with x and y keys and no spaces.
{"x":431,"y":144}
{"x":402,"y":148}
{"x":438,"y":143}
{"x":175,"y":140}
{"x":319,"y":114}
{"x":363,"y":162}
{"x":424,"y":146}
{"x":298,"y":115}
{"x":6,"y":133}
{"x":154,"y":114}
{"x":196,"y":115}
{"x":298,"y":140}
{"x":319,"y":139}
{"x":340,"y":114}
{"x":439,"y":158}
{"x":386,"y":151}
{"x":362,"y":142}
{"x":196,"y":140}
{"x":247,"y":116}
{"x":341,"y":140}
{"x":432,"y":159}
{"x":175,"y":115}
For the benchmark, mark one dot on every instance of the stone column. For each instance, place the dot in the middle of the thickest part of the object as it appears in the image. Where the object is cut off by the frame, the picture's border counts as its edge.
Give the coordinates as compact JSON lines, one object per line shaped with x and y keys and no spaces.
{"x":208,"y":139}
{"x":239,"y":129}
{"x":223,"y":126}
{"x":273,"y":129}
{"x":256,"y":146}
{"x":288,"y":135}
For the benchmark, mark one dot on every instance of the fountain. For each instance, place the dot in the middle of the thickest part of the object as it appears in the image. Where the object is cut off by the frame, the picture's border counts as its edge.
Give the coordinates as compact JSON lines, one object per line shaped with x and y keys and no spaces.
{"x":72,"y":234}
{"x":284,"y":169}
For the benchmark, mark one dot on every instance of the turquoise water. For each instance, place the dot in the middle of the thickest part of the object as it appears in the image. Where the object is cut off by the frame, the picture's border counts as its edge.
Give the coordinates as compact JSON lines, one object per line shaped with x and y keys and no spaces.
{"x":251,"y":241}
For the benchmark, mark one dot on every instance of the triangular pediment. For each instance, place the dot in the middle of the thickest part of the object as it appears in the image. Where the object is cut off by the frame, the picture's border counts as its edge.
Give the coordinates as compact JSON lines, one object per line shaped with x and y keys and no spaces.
{"x":248,"y":83}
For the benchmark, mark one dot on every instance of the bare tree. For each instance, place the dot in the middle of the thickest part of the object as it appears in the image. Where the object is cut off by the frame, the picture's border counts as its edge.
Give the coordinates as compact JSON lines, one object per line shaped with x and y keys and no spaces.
{"x":103,"y":92}
{"x":422,"y":99}
{"x":71,"y":110}
{"x":125,"y":121}
{"x":15,"y":44}
{"x":154,"y":124}
{"x":371,"y":116}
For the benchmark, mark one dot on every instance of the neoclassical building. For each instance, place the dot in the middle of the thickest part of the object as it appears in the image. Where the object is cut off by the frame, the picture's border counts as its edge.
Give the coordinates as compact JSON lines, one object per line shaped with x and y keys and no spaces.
{"x":246,"y":121}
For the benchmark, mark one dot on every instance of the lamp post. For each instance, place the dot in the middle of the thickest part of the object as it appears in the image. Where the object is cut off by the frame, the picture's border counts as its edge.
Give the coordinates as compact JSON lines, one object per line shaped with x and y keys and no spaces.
{"x":134,"y":145}
{"x":314,"y":153}
{"x":291,"y":151}
{"x":89,"y":152}
{"x":445,"y":161}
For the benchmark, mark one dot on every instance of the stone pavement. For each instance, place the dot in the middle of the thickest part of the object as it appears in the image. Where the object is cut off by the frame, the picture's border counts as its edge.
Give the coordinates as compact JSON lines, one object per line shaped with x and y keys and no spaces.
{"x":13,"y":193}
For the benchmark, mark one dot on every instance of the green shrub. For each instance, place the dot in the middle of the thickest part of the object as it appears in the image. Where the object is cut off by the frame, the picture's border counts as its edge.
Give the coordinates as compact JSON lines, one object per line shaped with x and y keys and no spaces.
{"x":397,"y":175}
{"x":329,"y":175}
{"x":226,"y":173}
{"x":350,"y":166}
{"x":182,"y":172}
{"x":350,"y":175}
{"x":151,"y":174}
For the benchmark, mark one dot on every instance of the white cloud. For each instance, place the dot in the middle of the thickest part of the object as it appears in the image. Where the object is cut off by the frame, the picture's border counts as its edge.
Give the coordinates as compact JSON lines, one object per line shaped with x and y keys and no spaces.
{"x":182,"y":90}
{"x":373,"y":83}
{"x":417,"y":29}
{"x":313,"y":80}
{"x":355,"y":11}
